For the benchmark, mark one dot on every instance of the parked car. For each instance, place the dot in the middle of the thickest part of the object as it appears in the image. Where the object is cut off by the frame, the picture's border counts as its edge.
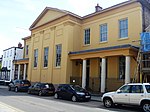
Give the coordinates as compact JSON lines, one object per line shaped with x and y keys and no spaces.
{"x":72,"y":92}
{"x":42,"y":89}
{"x":19,"y":85}
{"x":137,"y":94}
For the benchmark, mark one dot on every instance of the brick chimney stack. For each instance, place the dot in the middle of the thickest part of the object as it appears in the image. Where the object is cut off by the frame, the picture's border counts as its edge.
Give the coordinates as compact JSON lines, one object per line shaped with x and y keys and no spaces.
{"x":98,"y":8}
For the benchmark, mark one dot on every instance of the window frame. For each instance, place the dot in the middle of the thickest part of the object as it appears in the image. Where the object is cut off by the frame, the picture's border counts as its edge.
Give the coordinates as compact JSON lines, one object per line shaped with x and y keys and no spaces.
{"x":122,"y":28}
{"x":45,"y":63}
{"x":103,"y":32}
{"x":58,"y":55}
{"x":35,"y":58}
{"x":87,"y":38}
{"x":27,"y":50}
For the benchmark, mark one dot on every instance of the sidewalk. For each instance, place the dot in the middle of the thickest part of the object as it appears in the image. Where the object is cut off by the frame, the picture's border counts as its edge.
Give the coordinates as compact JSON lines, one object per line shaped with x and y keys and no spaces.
{"x":7,"y":108}
{"x":96,"y":97}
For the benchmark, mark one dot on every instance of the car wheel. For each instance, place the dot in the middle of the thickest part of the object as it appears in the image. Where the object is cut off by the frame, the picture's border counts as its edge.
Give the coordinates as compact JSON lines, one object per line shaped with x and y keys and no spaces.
{"x":146,"y":107}
{"x":56,"y":96}
{"x":16,"y":89}
{"x":74,"y":98}
{"x":40,"y":93}
{"x":108,"y":102}
{"x":9,"y":88}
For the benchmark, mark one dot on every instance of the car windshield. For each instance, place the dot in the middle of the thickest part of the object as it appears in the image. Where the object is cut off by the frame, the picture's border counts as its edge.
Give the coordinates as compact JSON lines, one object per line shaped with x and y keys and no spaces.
{"x":77,"y":88}
{"x":147,"y":88}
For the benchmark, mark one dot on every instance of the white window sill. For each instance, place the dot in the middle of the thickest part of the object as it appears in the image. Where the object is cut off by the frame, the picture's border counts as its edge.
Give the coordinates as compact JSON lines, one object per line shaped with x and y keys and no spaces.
{"x":85,"y":45}
{"x":124,"y":38}
{"x":102,"y":42}
{"x":57,"y":67}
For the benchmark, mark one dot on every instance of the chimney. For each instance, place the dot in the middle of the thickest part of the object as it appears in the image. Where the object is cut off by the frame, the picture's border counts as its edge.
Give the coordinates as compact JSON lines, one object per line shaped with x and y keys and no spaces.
{"x":19,"y":45}
{"x":98,"y":8}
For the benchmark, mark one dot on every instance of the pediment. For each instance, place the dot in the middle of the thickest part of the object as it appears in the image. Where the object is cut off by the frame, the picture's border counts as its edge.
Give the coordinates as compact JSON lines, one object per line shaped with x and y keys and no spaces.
{"x":47,"y":15}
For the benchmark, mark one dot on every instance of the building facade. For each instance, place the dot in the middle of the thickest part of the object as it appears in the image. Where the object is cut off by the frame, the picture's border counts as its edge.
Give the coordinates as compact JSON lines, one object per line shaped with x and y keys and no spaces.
{"x":97,"y":51}
{"x":9,"y":56}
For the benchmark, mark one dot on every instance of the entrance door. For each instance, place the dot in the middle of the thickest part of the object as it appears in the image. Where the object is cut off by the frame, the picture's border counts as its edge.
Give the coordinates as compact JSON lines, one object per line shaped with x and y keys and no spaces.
{"x":87,"y":73}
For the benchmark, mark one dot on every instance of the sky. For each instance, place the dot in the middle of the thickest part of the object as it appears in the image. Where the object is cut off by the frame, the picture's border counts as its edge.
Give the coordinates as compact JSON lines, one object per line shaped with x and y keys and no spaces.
{"x":16,"y":16}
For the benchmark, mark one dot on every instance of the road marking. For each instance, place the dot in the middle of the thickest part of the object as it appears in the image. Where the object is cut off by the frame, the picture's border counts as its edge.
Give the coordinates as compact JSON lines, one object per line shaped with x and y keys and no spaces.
{"x":7,"y":108}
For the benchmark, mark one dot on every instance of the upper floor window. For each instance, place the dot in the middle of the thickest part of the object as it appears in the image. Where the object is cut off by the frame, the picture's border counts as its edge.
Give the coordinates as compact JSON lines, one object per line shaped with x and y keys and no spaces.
{"x":58,"y":55}
{"x":4,"y":54}
{"x":123,"y":28}
{"x":103,"y":32}
{"x":7,"y":53}
{"x":11,"y":53}
{"x":87,"y":36}
{"x":35,"y":57}
{"x":45,"y":56}
{"x":27,"y":49}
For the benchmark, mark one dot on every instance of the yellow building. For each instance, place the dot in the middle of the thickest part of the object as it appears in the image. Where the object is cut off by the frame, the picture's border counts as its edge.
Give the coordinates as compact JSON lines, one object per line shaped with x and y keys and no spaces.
{"x":95,"y":51}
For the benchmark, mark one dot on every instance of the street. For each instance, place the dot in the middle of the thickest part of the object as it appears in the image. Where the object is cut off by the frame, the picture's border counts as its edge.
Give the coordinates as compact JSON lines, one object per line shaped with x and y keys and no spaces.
{"x":24,"y":102}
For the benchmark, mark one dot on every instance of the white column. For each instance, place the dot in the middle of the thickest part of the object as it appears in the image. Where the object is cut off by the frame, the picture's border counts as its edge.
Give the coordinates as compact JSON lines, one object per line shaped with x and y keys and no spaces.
{"x":13,"y":72}
{"x":84,"y":74}
{"x":24,"y":73}
{"x":103,"y":75}
{"x":19,"y":71}
{"x":127,"y":70}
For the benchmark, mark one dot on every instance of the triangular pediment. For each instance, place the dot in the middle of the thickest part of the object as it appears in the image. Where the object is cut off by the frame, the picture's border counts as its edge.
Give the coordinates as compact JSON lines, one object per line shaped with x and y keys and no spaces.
{"x":48,"y":15}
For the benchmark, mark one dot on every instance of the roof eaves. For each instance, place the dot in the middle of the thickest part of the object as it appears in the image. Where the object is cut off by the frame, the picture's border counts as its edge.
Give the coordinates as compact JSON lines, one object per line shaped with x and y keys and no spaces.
{"x":105,"y":48}
{"x":110,"y":8}
{"x":26,"y":37}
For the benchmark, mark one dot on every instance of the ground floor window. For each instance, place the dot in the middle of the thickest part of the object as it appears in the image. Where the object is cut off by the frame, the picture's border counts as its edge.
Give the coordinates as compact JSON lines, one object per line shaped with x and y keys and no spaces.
{"x":122,"y":67}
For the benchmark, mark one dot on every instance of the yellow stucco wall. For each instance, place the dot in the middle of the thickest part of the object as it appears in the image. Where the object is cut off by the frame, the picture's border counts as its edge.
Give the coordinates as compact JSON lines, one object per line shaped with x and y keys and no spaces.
{"x":112,"y":20}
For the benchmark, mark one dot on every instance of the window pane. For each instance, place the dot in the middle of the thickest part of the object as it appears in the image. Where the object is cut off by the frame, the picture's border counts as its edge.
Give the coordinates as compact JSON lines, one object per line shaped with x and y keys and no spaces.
{"x":35,"y":57}
{"x":27,"y":49}
{"x":46,"y":57}
{"x":147,"y":88}
{"x":103,"y":32}
{"x":58,"y":54}
{"x":137,"y":89}
{"x":123,"y":28}
{"x":87,"y":36}
{"x":125,"y":89}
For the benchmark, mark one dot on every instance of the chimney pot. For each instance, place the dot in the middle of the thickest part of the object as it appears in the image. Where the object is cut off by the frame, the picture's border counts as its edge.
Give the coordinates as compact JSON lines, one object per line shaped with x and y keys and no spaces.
{"x":98,"y":8}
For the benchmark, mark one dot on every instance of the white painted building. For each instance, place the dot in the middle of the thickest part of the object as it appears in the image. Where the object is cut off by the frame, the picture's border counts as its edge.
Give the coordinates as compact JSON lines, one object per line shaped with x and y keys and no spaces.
{"x":9,"y":55}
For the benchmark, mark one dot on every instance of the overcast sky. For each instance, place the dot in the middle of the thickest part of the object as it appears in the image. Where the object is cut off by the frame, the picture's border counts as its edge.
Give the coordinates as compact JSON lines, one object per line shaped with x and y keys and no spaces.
{"x":16,"y":16}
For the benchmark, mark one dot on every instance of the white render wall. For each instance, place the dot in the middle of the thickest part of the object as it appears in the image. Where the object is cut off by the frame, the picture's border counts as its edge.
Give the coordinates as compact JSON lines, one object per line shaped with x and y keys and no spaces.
{"x":9,"y":55}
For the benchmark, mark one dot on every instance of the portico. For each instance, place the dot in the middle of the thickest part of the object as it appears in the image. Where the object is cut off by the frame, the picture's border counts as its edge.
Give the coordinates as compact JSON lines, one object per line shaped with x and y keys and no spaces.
{"x":107,"y":68}
{"x":21,"y":68}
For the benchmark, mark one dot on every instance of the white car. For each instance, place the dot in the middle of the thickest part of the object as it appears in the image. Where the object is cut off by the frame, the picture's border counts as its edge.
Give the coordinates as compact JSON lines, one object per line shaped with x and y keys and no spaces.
{"x":129,"y":94}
